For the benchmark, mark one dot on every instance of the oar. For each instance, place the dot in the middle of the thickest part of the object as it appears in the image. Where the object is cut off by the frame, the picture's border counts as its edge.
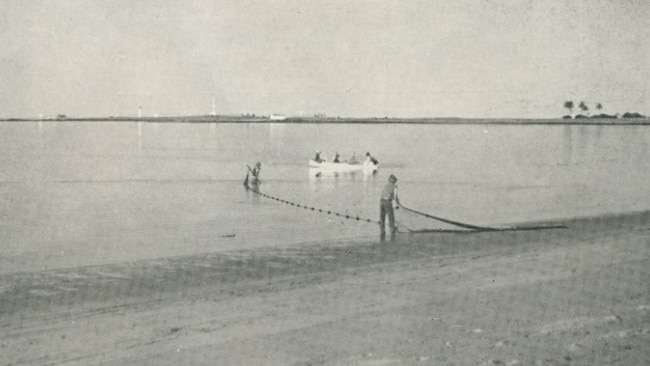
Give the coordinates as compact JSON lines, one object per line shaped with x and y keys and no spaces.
{"x":247,"y":173}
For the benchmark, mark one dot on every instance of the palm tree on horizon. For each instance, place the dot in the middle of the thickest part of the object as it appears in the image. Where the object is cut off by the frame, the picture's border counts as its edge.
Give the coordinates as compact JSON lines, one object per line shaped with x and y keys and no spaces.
{"x":569,"y":105}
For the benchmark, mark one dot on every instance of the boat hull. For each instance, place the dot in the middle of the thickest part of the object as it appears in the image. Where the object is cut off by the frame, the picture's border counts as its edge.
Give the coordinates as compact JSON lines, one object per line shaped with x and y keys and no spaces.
{"x":325,"y":166}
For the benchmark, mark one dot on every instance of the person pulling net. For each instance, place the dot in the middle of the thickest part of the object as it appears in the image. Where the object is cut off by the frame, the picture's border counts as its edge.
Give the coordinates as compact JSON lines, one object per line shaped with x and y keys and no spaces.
{"x":253,"y":175}
{"x":388,"y":194}
{"x":415,"y":221}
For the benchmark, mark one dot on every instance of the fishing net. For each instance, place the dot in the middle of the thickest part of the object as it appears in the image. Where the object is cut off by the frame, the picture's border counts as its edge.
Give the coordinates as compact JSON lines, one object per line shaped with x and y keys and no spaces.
{"x":411,"y":220}
{"x":407,"y":220}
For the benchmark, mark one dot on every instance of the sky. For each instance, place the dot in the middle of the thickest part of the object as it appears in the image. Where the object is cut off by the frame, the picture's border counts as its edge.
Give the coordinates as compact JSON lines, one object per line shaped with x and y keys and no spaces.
{"x":341,"y":58}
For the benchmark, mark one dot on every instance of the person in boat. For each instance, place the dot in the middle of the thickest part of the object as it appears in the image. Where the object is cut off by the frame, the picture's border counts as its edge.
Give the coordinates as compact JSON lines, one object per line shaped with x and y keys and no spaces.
{"x":255,"y":173}
{"x":336,"y":157}
{"x":371,"y":159}
{"x":317,"y":158}
{"x":353,"y":159}
{"x":386,"y":205}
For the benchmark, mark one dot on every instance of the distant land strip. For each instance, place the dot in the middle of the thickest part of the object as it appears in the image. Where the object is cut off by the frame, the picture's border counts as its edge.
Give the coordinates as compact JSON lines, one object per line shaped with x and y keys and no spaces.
{"x":346,"y":120}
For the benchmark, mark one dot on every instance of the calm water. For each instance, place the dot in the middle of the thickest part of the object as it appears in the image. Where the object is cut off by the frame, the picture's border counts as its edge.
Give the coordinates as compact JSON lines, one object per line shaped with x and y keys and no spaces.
{"x":100,"y":192}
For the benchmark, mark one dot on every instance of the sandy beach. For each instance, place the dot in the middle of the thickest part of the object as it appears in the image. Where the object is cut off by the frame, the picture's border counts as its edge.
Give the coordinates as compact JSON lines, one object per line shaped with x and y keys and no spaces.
{"x":574,"y":296}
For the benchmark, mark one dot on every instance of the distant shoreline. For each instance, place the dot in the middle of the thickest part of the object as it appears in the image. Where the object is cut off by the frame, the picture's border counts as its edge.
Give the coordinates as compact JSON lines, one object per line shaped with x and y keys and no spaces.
{"x":365,"y":120}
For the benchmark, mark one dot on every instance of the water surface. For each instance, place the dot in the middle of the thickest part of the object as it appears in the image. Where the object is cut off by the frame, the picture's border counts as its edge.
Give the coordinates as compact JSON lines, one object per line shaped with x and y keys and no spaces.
{"x":83,"y":193}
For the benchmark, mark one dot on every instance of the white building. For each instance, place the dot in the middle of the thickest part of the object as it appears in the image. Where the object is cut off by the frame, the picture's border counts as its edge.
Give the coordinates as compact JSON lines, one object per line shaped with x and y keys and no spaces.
{"x":277,"y":117}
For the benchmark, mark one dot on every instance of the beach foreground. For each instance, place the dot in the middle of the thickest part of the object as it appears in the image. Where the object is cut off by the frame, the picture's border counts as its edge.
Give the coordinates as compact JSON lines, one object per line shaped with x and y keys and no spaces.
{"x":574,"y":296}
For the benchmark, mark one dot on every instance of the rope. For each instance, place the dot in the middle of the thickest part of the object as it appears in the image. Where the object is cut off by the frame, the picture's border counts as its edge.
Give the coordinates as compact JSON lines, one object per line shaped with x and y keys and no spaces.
{"x":311,"y":208}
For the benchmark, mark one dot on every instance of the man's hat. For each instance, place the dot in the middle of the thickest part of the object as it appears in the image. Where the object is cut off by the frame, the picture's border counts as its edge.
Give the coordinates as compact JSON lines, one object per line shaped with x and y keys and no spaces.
{"x":392,"y":178}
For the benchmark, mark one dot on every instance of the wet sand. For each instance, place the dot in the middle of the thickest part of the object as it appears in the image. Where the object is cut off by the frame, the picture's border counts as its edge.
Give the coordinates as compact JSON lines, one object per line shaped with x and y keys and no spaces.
{"x":574,"y":296}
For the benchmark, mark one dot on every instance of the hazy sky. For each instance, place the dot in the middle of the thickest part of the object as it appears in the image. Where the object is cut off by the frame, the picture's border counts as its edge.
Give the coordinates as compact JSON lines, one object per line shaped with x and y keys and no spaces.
{"x":431,"y":58}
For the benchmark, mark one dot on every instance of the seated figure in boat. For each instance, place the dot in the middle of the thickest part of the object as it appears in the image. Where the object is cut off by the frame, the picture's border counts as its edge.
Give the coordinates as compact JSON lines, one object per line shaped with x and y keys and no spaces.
{"x":336,"y":157}
{"x":353,"y":159}
{"x":371,"y":159}
{"x":317,"y":158}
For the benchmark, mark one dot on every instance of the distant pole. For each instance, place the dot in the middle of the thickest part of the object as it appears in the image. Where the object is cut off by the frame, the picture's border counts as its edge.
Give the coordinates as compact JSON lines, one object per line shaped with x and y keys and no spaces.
{"x":214,"y":107}
{"x":139,"y":111}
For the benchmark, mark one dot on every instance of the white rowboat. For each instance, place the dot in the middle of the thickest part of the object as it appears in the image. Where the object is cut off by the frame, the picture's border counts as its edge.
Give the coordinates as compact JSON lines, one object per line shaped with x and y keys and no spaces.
{"x":326,"y":166}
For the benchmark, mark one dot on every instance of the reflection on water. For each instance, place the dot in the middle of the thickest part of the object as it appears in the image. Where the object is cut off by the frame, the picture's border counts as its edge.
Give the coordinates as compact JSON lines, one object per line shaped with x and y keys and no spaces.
{"x":316,"y":174}
{"x":114,"y":190}
{"x":567,"y":145}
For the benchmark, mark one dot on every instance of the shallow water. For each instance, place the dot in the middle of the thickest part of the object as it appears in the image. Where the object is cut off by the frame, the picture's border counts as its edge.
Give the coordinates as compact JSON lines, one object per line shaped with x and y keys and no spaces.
{"x":83,"y":193}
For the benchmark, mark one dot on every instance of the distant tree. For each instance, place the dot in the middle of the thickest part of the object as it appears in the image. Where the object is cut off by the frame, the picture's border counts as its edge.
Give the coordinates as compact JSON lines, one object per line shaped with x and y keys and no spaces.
{"x":632,"y":115}
{"x":569,"y":105}
{"x":599,"y":107}
{"x":583,"y":106}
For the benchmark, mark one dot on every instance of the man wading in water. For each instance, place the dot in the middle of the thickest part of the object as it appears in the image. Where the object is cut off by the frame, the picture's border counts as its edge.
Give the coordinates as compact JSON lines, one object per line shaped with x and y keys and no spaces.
{"x":255,"y":172}
{"x":386,"y":205}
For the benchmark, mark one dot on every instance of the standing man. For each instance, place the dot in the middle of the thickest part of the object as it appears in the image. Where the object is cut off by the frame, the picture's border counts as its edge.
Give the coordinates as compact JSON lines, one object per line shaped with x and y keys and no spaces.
{"x":386,"y":205}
